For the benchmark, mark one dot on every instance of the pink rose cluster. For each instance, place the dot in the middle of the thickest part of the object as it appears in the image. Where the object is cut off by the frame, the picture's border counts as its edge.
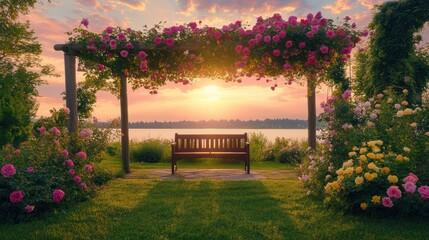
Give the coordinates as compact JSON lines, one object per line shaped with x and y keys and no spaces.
{"x":271,"y":34}
{"x":393,"y":192}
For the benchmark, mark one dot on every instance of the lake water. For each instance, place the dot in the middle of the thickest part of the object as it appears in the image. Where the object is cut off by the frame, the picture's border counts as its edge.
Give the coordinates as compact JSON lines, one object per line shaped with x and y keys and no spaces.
{"x":141,"y":134}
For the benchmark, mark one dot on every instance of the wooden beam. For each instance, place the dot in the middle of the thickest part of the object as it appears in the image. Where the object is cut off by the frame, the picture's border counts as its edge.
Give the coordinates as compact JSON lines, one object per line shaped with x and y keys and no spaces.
{"x":69,"y":47}
{"x":124,"y":125}
{"x":71,"y":92}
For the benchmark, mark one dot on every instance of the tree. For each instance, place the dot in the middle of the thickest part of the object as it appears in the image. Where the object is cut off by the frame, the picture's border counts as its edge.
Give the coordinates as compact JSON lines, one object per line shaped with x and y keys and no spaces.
{"x":391,"y":59}
{"x":21,"y":72}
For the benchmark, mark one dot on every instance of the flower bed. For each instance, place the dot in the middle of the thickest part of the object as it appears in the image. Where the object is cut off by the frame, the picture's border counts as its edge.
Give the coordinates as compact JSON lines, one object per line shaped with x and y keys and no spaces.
{"x":374,"y":155}
{"x":44,"y":173}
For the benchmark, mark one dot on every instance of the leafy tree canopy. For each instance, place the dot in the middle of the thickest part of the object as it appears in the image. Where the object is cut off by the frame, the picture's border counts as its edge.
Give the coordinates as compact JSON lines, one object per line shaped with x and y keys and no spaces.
{"x":391,"y":59}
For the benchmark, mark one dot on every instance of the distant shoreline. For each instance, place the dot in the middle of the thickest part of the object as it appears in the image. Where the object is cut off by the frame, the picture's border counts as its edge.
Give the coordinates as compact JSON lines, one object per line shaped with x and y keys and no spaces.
{"x":283,"y":123}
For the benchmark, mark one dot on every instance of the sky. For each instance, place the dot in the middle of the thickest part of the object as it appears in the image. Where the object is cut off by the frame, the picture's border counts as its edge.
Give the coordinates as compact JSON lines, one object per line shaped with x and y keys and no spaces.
{"x":203,"y":99}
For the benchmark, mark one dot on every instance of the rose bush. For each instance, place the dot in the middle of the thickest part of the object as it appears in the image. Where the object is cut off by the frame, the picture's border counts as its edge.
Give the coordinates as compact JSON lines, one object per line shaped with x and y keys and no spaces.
{"x":271,"y":48}
{"x":45,"y":173}
{"x":374,"y":155}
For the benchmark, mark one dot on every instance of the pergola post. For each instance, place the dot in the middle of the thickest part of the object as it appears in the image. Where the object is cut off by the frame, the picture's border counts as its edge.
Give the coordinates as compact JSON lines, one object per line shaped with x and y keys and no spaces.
{"x":124,"y":125}
{"x":311,"y":103}
{"x":71,"y":92}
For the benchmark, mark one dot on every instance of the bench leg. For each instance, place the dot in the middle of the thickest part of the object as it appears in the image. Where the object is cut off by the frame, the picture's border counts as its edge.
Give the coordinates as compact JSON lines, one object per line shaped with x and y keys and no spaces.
{"x":248,"y":165}
{"x":172,"y":166}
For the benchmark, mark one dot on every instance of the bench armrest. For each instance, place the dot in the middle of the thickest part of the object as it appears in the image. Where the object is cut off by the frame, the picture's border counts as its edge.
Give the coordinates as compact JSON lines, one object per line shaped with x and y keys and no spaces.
{"x":173,"y":144}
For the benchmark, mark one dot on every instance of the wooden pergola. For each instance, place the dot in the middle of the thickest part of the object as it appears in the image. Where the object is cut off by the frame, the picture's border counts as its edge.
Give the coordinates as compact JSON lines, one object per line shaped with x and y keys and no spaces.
{"x":71,"y":51}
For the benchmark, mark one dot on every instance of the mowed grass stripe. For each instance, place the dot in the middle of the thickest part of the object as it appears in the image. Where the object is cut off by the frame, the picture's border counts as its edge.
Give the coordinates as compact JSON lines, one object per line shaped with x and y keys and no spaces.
{"x":178,"y":209}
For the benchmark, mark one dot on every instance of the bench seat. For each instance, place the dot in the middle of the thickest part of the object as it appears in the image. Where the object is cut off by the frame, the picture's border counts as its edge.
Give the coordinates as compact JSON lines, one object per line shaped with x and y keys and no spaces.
{"x":226,"y":146}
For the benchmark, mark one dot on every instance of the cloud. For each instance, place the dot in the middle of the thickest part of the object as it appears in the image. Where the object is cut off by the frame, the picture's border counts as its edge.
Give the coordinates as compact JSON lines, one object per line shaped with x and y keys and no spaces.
{"x":243,"y":7}
{"x":137,"y":5}
{"x":339,"y":6}
{"x":370,"y":4}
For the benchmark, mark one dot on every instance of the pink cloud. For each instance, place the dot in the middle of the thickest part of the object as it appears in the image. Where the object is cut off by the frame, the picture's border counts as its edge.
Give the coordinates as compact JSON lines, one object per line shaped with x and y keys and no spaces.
{"x":137,"y":5}
{"x":370,"y":4}
{"x":339,"y":6}
{"x":240,"y":6}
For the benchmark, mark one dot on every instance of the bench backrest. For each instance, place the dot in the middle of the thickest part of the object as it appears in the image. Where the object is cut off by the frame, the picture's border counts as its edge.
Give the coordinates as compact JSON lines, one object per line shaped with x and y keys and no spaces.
{"x":210,"y":142}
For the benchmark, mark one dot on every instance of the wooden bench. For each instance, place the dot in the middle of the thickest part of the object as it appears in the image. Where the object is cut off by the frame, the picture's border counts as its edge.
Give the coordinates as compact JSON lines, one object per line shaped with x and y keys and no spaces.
{"x":229,"y":146}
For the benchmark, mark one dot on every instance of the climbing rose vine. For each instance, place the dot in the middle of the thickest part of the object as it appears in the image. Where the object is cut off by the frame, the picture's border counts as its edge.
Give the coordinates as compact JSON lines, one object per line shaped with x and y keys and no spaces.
{"x":271,"y":48}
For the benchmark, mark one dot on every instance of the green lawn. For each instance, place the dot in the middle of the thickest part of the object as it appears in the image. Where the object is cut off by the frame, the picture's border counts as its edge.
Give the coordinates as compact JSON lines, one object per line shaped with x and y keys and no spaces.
{"x":178,"y":209}
{"x":115,"y":164}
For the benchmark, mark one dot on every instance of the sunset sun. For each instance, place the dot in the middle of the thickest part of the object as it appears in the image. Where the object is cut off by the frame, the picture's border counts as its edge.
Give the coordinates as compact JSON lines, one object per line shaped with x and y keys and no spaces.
{"x":211,"y":92}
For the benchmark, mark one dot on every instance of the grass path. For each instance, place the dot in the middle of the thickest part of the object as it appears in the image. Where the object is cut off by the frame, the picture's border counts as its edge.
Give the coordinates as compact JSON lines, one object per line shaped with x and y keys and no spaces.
{"x":154,"y":209}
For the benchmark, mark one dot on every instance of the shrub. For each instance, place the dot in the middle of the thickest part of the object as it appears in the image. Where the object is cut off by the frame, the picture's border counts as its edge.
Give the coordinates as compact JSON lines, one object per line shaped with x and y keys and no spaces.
{"x":114,"y":149}
{"x":285,"y":151}
{"x":45,"y":174}
{"x":150,"y":150}
{"x":371,"y":145}
{"x":258,"y":145}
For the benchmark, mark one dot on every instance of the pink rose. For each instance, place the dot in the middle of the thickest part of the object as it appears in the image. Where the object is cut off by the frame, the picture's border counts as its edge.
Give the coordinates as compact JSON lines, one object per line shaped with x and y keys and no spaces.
{"x":267,"y":39}
{"x":192,"y":25}
{"x":29,"y":208}
{"x":157,"y":40}
{"x":81,"y":154}
{"x":143,"y":65}
{"x":121,"y":36}
{"x":30,"y":170}
{"x":411,"y":178}
{"x":42,"y":130}
{"x":169,"y":42}
{"x":8,"y":170}
{"x":289,"y":44}
{"x":394,"y":192}
{"x":238,"y":48}
{"x":109,"y":30}
{"x":387,"y":202}
{"x":69,"y":163}
{"x":276,"y":38}
{"x":65,"y":152}
{"x":409,"y":187}
{"x":142,"y":55}
{"x":113,"y":44}
{"x":252,"y":42}
{"x":55,"y":131}
{"x":301,"y":45}
{"x":424,"y":192}
{"x":88,"y":168}
{"x":276,"y":52}
{"x":86,"y":133}
{"x":100,"y":67}
{"x":124,"y":53}
{"x":83,"y":185}
{"x":58,"y":195}
{"x":129,"y":45}
{"x":16,"y":197}
{"x":18,"y":151}
{"x":287,"y":66}
{"x":76,"y":179}
{"x":324,"y":49}
{"x":72,"y":171}
{"x":85,"y":22}
{"x":330,"y":34}
{"x":346,"y":94}
{"x":246,"y":51}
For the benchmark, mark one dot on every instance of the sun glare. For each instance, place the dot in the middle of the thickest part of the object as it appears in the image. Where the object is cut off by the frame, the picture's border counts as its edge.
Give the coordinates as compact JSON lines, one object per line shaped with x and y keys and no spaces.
{"x":211,"y":92}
